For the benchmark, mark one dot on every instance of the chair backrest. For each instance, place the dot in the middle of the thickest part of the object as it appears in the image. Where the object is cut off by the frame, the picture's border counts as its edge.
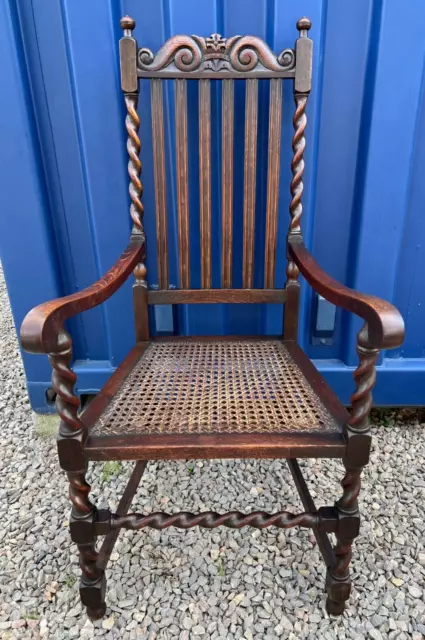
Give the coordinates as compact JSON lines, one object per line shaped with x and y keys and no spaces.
{"x":243,"y":58}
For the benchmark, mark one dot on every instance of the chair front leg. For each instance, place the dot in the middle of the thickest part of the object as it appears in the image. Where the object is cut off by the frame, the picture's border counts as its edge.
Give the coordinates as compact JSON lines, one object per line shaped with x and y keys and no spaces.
{"x":338,"y":582}
{"x":82,"y":528}
{"x":70,"y":442}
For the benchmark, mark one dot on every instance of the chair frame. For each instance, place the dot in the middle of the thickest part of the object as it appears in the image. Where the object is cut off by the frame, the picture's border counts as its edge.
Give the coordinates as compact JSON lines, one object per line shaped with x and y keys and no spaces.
{"x":43,"y":329}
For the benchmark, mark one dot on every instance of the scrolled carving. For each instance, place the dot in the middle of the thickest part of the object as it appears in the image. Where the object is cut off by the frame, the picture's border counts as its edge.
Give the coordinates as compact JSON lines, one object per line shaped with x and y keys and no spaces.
{"x":184,"y":51}
{"x":214,"y":53}
{"x":211,"y":520}
{"x":286,"y":58}
{"x":248,"y":51}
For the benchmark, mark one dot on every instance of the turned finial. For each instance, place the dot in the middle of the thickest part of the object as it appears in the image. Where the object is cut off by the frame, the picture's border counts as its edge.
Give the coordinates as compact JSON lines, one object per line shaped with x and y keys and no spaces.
{"x":303,"y":26}
{"x":127,"y":25}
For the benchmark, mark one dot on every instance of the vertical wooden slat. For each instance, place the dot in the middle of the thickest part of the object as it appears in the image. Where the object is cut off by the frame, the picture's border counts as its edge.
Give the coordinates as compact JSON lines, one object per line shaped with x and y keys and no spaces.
{"x":227,"y":182}
{"x":182,"y":183}
{"x":273,"y":171}
{"x":159,"y":173}
{"x":205,"y":180}
{"x":250,"y":168}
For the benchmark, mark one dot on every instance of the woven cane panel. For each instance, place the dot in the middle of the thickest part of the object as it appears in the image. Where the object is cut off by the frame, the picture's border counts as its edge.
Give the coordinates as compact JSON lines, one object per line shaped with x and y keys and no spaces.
{"x":215,"y":387}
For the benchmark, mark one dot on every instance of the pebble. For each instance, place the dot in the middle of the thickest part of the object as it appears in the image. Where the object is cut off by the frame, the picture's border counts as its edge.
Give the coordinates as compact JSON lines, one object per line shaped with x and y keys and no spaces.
{"x":199,"y":630}
{"x":225,"y":584}
{"x":108,"y":623}
{"x":397,"y":581}
{"x":415,"y":592}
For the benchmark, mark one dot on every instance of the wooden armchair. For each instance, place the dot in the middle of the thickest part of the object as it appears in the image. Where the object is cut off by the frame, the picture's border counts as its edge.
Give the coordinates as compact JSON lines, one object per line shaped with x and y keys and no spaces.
{"x":214,"y":397}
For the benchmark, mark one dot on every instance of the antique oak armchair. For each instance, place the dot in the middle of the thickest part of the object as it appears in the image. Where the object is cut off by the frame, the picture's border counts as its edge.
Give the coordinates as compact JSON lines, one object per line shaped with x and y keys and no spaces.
{"x":184,"y":397}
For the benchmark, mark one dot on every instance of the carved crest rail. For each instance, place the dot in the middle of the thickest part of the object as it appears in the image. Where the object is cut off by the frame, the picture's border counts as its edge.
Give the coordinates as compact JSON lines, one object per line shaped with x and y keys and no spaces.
{"x":215,"y":57}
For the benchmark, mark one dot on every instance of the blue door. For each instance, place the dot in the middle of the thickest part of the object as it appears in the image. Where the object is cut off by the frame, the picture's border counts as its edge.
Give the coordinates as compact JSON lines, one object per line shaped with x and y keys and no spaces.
{"x":64,"y":200}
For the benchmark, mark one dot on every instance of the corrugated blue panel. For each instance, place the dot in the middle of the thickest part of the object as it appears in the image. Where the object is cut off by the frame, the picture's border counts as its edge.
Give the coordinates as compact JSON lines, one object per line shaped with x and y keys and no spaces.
{"x":64,"y":216}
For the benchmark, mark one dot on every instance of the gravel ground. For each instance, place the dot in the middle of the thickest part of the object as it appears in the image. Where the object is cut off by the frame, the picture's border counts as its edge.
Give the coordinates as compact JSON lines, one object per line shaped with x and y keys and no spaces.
{"x":207,"y":584}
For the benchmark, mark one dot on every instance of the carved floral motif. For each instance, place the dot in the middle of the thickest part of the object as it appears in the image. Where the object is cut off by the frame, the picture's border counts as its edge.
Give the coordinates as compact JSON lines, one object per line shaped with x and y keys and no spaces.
{"x":215,"y":53}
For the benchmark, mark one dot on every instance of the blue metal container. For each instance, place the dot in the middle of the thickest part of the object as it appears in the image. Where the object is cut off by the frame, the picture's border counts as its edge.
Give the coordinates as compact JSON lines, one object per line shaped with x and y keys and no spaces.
{"x":64,"y":203}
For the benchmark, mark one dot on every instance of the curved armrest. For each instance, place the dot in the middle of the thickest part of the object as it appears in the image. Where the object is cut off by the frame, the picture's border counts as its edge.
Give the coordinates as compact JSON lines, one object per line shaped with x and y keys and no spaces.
{"x":43,"y":324}
{"x":385,"y":323}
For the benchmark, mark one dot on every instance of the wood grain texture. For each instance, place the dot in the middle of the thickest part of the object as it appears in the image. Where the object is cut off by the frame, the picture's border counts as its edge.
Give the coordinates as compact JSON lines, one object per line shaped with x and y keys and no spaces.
{"x":191,"y":296}
{"x":206,"y":447}
{"x":141,"y":311}
{"x":273,"y":174}
{"x":160,"y":181}
{"x":385,"y":323}
{"x":227,"y":183}
{"x":43,"y":324}
{"x":250,"y":174}
{"x":128,"y":66}
{"x":290,"y":323}
{"x":182,"y":183}
{"x":304,"y":66}
{"x":205,"y":180}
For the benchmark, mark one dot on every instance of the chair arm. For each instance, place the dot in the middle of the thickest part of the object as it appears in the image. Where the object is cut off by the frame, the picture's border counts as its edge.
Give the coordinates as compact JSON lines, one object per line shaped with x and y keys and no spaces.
{"x":385,"y":326}
{"x":43,"y":325}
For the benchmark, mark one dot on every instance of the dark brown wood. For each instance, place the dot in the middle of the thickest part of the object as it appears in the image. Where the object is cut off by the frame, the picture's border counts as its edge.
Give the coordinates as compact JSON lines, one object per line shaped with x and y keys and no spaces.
{"x":207,"y":447}
{"x":290,"y":329}
{"x":132,"y":123}
{"x":205,"y":180}
{"x":227,"y":183}
{"x":304,"y":57}
{"x":385,"y":324}
{"x":128,"y":57}
{"x":357,"y":433}
{"x":231,"y":519}
{"x":215,"y":57}
{"x":336,"y":433}
{"x":182,"y":183}
{"x":140,"y":306}
{"x":308,"y":504}
{"x":160,"y":181}
{"x":290,"y":324}
{"x":250,"y":170}
{"x":230,"y":296}
{"x":123,"y":506}
{"x":273,"y":174}
{"x":140,"y":296}
{"x":41,"y":327}
{"x":167,"y":74}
